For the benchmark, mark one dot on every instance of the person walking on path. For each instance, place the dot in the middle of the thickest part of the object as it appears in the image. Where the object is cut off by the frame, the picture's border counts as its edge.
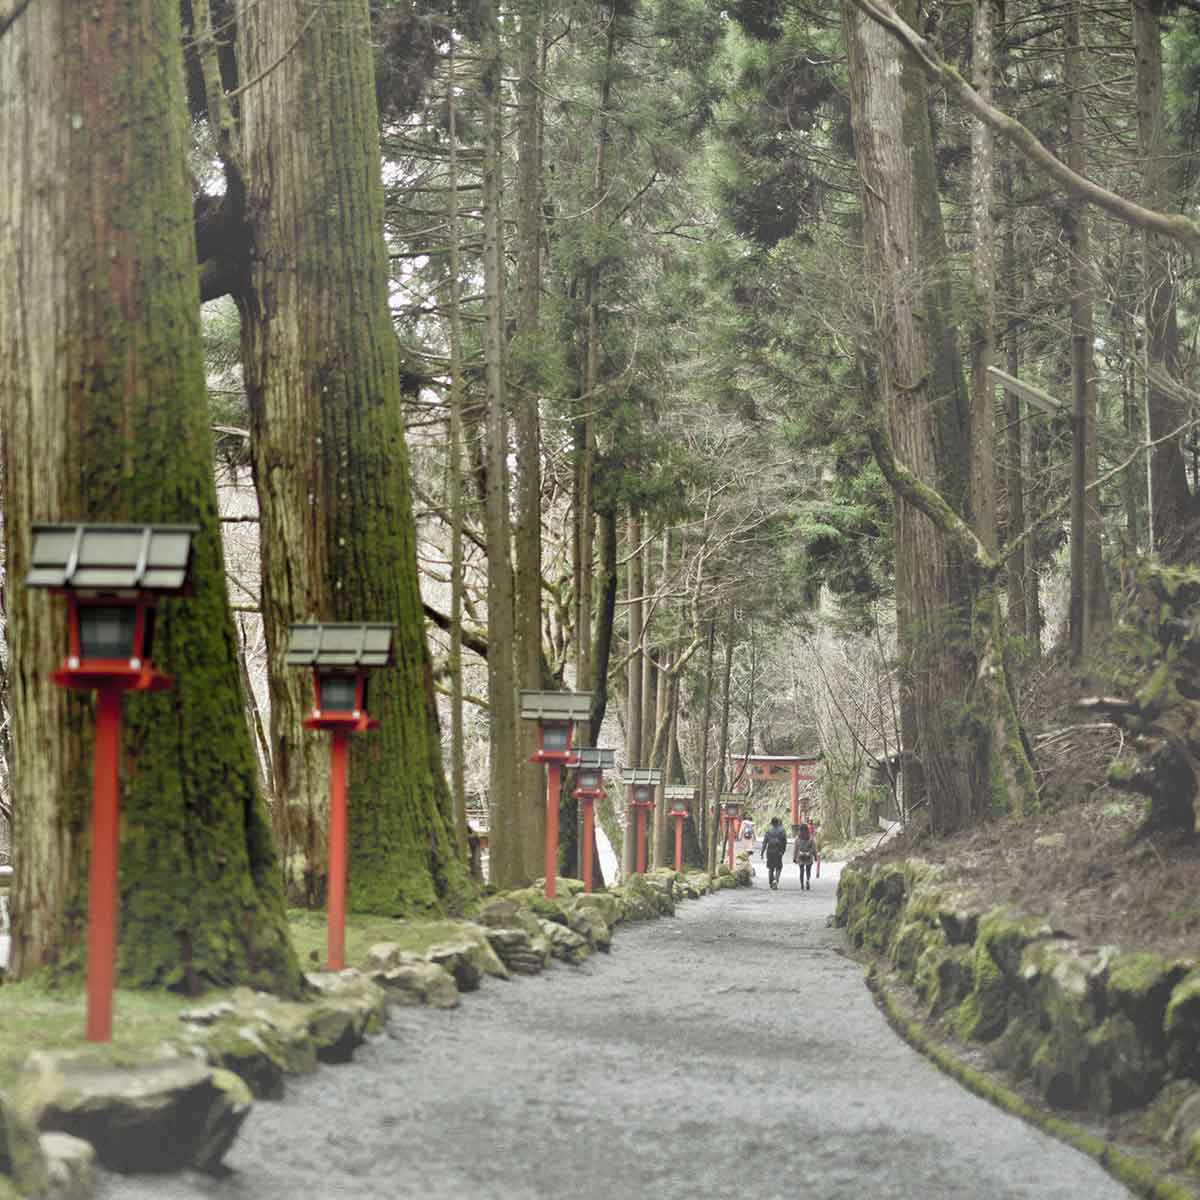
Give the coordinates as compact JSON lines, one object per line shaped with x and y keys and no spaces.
{"x":774,"y":844}
{"x":804,"y":853}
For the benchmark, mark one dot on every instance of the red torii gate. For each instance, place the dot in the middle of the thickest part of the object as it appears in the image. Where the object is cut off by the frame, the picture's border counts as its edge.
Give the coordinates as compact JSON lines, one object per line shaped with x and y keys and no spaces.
{"x":765,"y":767}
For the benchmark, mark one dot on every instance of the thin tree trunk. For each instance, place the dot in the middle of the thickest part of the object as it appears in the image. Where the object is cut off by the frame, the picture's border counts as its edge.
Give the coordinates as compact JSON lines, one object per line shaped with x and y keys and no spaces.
{"x":454,"y":480}
{"x":701,"y":816}
{"x":633,"y":718}
{"x":723,"y":746}
{"x":981,"y":471}
{"x":525,"y":398}
{"x":1171,"y":497}
{"x":516,"y":830}
{"x":1089,"y":606}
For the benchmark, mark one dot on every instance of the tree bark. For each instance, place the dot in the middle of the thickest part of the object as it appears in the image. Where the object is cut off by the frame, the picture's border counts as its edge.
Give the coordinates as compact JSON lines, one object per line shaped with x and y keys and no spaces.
{"x":1172,"y":505}
{"x":516,"y":828}
{"x":948,"y":628}
{"x":1088,"y":604}
{"x":105,"y":419}
{"x":331,"y":465}
{"x":635,"y":668}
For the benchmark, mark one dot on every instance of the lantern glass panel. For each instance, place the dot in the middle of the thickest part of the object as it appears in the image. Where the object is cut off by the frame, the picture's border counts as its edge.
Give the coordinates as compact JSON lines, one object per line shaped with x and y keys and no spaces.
{"x":107,"y":630}
{"x":588,"y":777}
{"x":554,"y":735}
{"x":339,"y":693}
{"x":680,"y":807}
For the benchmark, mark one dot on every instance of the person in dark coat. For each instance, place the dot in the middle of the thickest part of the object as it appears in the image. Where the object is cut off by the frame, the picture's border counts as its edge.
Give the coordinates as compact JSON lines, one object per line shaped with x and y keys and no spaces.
{"x":804,"y":853}
{"x":774,"y":844}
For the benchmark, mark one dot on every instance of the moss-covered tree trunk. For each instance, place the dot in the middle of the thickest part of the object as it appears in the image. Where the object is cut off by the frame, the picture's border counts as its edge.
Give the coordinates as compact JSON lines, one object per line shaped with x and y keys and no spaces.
{"x":104,"y":410}
{"x":331,"y":465}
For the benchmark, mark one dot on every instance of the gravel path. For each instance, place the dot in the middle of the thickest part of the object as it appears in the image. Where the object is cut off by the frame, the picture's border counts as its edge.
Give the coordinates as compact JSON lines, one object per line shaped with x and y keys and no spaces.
{"x":729,"y":1051}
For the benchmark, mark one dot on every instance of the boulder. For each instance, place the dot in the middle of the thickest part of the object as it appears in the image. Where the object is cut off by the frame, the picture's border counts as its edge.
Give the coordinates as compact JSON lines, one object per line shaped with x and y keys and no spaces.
{"x":468,"y":956}
{"x":419,"y":983}
{"x":589,"y":924}
{"x":22,"y":1160}
{"x":1184,"y":1132}
{"x":605,"y":903}
{"x":349,"y":1007}
{"x":498,"y":913}
{"x":70,"y":1165}
{"x":515,"y":950}
{"x":156,"y":1114}
{"x":1182,"y":1027}
{"x":245,"y":1048}
{"x":566,"y":944}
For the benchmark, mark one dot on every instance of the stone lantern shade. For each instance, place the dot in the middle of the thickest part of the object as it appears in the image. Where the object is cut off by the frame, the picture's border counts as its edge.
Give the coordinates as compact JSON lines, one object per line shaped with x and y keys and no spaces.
{"x":651,"y":775}
{"x":112,"y":560}
{"x":595,"y":758}
{"x":348,"y":646}
{"x":555,"y":706}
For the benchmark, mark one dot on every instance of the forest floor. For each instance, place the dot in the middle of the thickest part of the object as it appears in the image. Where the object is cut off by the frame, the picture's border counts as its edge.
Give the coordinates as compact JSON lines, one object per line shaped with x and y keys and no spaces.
{"x":1079,"y":861}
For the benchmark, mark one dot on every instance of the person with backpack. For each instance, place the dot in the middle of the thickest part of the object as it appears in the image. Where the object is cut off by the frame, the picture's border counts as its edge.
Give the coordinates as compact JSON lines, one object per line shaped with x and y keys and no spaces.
{"x":804,"y":853}
{"x":774,"y":844}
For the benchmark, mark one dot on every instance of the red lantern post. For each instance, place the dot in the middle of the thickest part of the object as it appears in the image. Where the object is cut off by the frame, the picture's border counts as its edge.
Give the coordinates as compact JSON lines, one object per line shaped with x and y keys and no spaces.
{"x":590,"y":764}
{"x":641,"y":782}
{"x":340,"y":656}
{"x":732,"y":811}
{"x":111,"y":575}
{"x":679,"y":800}
{"x":556,"y":714}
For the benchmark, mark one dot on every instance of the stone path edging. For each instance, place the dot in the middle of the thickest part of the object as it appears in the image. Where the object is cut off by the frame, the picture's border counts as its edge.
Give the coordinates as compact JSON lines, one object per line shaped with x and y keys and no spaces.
{"x":246,"y":1046}
{"x":1054,"y":1014}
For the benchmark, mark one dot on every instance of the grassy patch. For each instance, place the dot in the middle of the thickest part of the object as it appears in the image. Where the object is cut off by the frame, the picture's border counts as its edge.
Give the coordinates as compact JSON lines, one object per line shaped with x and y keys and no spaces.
{"x":309,"y":937}
{"x":35,"y":1017}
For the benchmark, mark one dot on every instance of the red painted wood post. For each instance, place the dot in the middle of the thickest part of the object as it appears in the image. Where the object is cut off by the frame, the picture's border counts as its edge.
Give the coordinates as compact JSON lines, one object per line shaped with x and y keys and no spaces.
{"x":679,"y":842}
{"x":336,"y":902}
{"x":732,"y":828}
{"x":641,"y":840}
{"x":553,"y":783}
{"x":589,"y":818}
{"x":102,"y":872}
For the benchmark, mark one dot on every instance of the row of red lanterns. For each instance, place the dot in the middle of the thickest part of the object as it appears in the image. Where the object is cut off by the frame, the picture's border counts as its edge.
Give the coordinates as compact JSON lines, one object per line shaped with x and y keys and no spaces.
{"x":112,"y":575}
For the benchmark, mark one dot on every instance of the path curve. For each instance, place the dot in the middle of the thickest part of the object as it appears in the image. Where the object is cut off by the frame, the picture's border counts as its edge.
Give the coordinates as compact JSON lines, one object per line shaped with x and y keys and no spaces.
{"x":732,"y":1050}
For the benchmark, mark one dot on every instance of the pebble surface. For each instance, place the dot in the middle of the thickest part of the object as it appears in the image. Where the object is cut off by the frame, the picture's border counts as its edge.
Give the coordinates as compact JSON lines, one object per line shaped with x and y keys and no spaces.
{"x":732,"y":1050}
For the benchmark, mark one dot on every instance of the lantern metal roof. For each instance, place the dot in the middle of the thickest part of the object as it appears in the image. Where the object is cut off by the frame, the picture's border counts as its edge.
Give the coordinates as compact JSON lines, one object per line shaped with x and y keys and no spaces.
{"x":111,"y":558}
{"x":642,"y":775}
{"x":595,"y":758}
{"x":344,"y":644}
{"x":555,"y":706}
{"x":679,"y":791}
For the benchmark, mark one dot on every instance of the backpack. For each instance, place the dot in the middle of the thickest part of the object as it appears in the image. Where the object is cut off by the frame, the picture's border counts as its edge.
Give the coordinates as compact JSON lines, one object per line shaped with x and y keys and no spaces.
{"x":775,"y":841}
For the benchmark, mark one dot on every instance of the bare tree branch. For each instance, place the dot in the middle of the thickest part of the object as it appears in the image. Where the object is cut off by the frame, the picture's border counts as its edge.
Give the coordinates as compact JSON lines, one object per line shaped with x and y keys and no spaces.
{"x":1180,"y":228}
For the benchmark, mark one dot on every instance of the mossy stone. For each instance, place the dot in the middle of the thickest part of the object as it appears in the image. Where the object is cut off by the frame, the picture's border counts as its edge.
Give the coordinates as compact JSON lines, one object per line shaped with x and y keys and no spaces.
{"x":1182,"y":1027}
{"x":1123,"y":1071}
{"x":983,"y":1014}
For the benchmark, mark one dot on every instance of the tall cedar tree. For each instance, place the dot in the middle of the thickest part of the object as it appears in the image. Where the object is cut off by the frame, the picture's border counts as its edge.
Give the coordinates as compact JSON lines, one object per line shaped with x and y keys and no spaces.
{"x":331,"y":465}
{"x":104,"y":413}
{"x":915,"y":369}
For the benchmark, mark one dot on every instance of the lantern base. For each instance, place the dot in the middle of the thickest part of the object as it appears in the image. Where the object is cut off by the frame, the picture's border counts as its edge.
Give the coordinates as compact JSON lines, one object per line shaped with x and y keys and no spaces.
{"x":347,"y":722}
{"x":90,"y":674}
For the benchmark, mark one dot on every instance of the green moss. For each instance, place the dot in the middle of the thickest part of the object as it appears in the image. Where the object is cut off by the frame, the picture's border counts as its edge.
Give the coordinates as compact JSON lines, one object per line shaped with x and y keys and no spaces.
{"x":984,"y":1013}
{"x":1182,"y":1027}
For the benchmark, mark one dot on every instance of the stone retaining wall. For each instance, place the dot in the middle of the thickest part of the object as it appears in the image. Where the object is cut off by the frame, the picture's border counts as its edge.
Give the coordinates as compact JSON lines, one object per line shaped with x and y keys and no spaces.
{"x":1092,"y":1028}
